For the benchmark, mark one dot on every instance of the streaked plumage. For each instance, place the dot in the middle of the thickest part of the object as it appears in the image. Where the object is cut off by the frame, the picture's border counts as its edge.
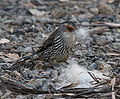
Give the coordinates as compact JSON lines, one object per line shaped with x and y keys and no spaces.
{"x":57,"y":47}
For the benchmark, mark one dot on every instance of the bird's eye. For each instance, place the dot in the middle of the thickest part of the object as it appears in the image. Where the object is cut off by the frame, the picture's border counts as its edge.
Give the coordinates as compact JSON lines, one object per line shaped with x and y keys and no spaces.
{"x":70,"y":28}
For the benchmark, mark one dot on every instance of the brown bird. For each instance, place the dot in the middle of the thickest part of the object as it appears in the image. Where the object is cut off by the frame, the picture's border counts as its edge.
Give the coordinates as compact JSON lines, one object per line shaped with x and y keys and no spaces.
{"x":58,"y":46}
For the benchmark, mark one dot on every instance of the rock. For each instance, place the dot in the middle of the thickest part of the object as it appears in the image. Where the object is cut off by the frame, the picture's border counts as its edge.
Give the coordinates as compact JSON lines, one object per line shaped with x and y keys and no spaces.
{"x":31,"y":29}
{"x":104,"y":18}
{"x":86,"y":15}
{"x":94,"y":10}
{"x":78,"y":53}
{"x":18,"y":31}
{"x":58,"y":13}
{"x":28,"y":49}
{"x":7,"y":8}
{"x":37,"y":12}
{"x":104,"y":8}
{"x":110,"y":38}
{"x":16,"y":39}
{"x":27,"y":21}
{"x":10,"y":21}
{"x":37,"y":2}
{"x":117,"y":18}
{"x":118,"y":40}
{"x":112,"y":1}
{"x":54,"y":74}
{"x":93,"y":66}
{"x":102,"y":40}
{"x":4,"y":40}
{"x":116,"y":46}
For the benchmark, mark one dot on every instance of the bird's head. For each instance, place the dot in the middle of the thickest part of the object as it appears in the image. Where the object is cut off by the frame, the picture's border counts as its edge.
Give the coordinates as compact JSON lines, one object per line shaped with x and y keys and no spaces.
{"x":68,"y":26}
{"x":67,"y":29}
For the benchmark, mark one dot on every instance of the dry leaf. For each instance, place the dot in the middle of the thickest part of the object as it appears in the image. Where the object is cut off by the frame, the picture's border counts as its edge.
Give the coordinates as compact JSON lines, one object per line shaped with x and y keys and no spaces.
{"x":29,"y":5}
{"x":64,"y":0}
{"x":113,"y":54}
{"x":103,"y":66}
{"x":113,"y":84}
{"x":72,"y":85}
{"x":36,"y":12}
{"x":4,"y":40}
{"x":110,"y":1}
{"x":9,"y":57}
{"x":12,"y":56}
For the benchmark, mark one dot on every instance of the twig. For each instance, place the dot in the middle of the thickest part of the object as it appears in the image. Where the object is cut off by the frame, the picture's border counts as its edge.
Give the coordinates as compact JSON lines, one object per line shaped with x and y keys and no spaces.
{"x":98,"y":24}
{"x":94,"y":77}
{"x":74,"y":92}
{"x":117,"y":25}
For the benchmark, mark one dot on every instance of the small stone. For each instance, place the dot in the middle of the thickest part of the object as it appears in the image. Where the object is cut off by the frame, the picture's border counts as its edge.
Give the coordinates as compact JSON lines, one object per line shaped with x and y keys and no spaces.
{"x":18,"y":31}
{"x":117,"y":39}
{"x":58,"y":13}
{"x":104,"y":8}
{"x":31,"y":29}
{"x":94,"y":10}
{"x":116,"y":46}
{"x":101,"y":40}
{"x":93,"y":66}
{"x":117,"y":18}
{"x":9,"y":21}
{"x":28,"y":49}
{"x":4,"y":40}
{"x":27,"y":21}
{"x":110,"y":38}
{"x":37,"y":12}
{"x":37,"y":2}
{"x":78,"y":53}
{"x":86,"y":15}
{"x":22,"y":49}
{"x":16,"y":39}
{"x":54,"y":74}
{"x":7,"y":8}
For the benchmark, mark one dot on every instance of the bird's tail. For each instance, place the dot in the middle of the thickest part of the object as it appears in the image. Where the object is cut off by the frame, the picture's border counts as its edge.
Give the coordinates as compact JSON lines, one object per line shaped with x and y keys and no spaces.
{"x":20,"y":62}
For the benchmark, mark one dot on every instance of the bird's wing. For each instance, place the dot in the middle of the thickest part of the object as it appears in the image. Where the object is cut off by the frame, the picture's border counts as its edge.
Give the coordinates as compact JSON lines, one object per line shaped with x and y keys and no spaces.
{"x":49,"y":42}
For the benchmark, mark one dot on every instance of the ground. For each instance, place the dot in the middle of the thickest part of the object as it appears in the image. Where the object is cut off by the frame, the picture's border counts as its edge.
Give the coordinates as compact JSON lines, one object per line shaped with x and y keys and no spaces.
{"x":26,"y":24}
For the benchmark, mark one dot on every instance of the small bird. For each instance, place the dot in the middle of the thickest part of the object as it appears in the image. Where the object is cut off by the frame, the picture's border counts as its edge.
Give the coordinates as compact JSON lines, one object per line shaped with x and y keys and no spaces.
{"x":58,"y":46}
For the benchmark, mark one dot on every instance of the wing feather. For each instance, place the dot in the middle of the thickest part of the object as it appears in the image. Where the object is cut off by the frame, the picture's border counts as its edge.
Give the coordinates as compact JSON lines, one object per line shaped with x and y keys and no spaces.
{"x":49,"y":42}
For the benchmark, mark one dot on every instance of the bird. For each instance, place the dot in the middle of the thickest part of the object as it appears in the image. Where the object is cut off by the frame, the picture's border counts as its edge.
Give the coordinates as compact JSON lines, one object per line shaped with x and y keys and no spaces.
{"x":58,"y":46}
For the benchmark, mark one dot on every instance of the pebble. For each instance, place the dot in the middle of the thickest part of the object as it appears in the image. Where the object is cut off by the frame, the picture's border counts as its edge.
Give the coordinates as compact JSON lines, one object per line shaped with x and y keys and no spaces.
{"x":31,"y":25}
{"x":37,"y":2}
{"x":58,"y":13}
{"x":28,"y":49}
{"x":54,"y":74}
{"x":94,"y":10}
{"x":27,"y":21}
{"x":18,"y":31}
{"x":78,"y":53}
{"x":86,"y":15}
{"x":116,"y":46}
{"x":22,"y":49}
{"x":101,"y":40}
{"x":110,"y":38}
{"x":16,"y":39}
{"x":93,"y":66}
{"x":105,"y":8}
